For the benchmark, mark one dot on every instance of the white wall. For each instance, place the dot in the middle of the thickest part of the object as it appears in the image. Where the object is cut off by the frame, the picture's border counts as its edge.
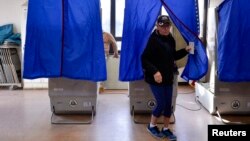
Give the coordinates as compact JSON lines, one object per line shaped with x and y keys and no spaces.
{"x":215,"y":3}
{"x":113,"y":75}
{"x":10,"y":12}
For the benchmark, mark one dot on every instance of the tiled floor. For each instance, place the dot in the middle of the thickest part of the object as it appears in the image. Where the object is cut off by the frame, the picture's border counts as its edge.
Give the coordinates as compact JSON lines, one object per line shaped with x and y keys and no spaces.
{"x":25,"y":116}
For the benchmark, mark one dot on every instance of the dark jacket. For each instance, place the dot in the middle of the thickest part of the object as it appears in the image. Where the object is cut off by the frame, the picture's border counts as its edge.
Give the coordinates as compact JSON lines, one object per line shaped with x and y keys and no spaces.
{"x":159,"y":55}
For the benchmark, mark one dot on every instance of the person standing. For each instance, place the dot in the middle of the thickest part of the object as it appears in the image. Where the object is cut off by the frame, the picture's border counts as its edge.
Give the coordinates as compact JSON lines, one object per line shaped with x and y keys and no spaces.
{"x":109,"y":41}
{"x":158,"y":63}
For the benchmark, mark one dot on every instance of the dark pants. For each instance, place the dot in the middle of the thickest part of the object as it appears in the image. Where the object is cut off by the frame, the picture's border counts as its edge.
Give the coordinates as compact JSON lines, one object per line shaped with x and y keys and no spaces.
{"x":163,"y":97}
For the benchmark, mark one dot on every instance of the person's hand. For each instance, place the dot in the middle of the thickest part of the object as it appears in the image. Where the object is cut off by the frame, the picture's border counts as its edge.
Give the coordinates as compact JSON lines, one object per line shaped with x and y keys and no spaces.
{"x":158,"y":77}
{"x":188,"y":48}
{"x":116,"y":55}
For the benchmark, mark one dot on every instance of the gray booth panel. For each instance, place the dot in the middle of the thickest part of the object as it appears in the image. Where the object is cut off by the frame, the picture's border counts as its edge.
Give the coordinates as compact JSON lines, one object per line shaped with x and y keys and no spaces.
{"x":226,"y":98}
{"x":69,"y":96}
{"x":142,"y":99}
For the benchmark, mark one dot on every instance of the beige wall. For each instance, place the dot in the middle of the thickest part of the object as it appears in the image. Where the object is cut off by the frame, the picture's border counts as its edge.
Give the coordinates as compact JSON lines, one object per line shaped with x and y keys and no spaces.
{"x":215,"y":3}
{"x":113,"y":75}
{"x":10,"y":12}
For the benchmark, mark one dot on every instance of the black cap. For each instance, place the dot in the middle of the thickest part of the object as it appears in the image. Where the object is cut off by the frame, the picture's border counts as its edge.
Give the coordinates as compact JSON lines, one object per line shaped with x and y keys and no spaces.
{"x":163,"y":20}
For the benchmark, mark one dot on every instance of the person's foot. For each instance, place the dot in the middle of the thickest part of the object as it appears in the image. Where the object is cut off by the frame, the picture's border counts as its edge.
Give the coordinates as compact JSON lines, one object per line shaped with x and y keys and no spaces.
{"x":155,"y":132}
{"x":101,"y":89}
{"x":169,"y":134}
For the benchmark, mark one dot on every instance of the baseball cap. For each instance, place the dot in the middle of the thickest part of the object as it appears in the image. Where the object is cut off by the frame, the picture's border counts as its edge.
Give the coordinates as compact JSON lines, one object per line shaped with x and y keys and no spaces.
{"x":163,"y":20}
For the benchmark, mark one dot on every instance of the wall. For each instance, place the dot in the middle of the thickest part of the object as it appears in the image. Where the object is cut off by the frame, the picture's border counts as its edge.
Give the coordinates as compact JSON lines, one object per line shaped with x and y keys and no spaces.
{"x":215,"y":3}
{"x":10,"y":12}
{"x":113,"y":75}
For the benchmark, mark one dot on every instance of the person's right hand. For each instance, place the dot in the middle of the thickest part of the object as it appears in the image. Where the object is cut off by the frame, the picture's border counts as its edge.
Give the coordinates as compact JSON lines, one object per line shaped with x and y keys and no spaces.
{"x":158,"y":77}
{"x":188,"y":48}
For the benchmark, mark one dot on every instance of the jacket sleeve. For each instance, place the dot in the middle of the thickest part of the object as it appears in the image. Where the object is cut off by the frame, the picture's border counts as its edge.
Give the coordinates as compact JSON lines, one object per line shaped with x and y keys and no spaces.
{"x":180,"y":54}
{"x":145,"y":59}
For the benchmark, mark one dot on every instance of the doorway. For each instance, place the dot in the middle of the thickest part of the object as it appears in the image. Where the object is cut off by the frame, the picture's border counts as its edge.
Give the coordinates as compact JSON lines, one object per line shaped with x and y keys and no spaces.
{"x":112,"y":13}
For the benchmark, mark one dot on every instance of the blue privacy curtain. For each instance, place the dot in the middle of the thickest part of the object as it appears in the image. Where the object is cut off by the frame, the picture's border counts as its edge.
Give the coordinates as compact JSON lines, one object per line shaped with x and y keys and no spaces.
{"x":234,"y":41}
{"x":184,"y":14}
{"x":64,"y":39}
{"x":139,"y":20}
